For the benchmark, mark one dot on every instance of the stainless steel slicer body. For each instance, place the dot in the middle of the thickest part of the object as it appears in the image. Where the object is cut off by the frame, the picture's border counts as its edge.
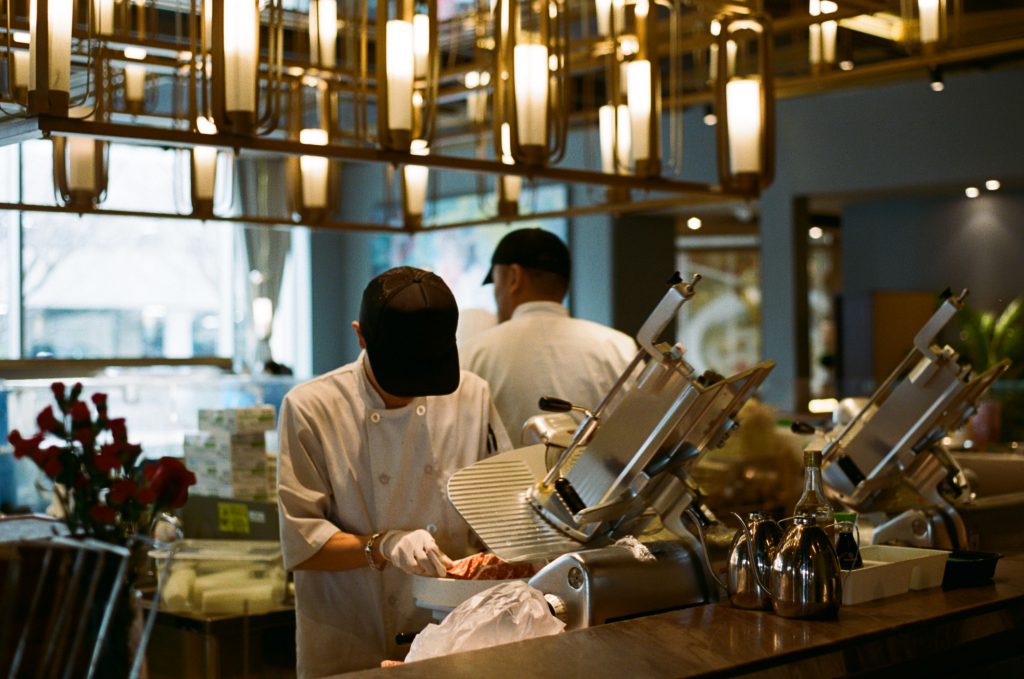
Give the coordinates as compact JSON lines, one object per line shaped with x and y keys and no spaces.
{"x":889,"y":460}
{"x":624,"y":473}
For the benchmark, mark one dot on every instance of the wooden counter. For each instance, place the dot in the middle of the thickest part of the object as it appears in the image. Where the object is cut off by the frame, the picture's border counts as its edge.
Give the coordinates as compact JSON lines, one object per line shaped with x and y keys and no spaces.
{"x":931,"y":631}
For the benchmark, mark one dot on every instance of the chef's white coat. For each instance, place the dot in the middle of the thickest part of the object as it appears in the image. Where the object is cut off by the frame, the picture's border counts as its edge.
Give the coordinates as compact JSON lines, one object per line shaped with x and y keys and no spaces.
{"x":348,"y":463}
{"x":542,"y":351}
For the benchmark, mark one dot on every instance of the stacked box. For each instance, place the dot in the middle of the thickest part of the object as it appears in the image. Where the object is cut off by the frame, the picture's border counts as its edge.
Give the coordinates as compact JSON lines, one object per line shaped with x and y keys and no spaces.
{"x":254,"y":420}
{"x":229,"y":455}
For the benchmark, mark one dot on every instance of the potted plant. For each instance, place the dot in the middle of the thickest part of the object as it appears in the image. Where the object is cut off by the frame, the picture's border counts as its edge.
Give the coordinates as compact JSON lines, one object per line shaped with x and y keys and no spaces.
{"x":985,"y":339}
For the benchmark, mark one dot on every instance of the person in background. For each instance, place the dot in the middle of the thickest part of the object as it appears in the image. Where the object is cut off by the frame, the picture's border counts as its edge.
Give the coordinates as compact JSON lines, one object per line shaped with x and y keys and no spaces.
{"x":537,"y":349}
{"x":366,"y":453}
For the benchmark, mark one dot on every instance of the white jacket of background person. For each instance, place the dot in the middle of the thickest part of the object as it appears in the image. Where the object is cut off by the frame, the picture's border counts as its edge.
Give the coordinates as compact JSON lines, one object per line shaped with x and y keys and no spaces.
{"x":542,"y":351}
{"x":348,"y":463}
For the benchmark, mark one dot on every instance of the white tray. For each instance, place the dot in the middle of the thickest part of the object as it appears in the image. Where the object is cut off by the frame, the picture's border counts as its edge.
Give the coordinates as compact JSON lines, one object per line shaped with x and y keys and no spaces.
{"x":890,"y":570}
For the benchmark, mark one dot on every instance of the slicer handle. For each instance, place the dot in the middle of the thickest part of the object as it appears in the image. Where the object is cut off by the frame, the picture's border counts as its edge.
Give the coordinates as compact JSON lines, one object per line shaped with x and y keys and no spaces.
{"x":554,"y":405}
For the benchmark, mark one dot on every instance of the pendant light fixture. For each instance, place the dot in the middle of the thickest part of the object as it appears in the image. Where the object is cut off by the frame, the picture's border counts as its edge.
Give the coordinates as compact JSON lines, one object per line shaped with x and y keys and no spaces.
{"x":80,"y":167}
{"x":323,"y":33}
{"x":203,"y":171}
{"x":746,"y":127}
{"x":407,"y":50}
{"x":509,"y":185}
{"x":134,"y":80}
{"x":415,"y":179}
{"x":49,"y":78}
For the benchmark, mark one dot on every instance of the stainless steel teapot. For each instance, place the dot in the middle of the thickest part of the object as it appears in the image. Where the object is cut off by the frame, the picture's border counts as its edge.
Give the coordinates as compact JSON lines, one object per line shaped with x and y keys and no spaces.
{"x":805,"y":578}
{"x":750,"y":560}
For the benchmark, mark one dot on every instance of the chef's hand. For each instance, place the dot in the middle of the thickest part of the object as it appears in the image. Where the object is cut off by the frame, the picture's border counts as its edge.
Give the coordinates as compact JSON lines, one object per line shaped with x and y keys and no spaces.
{"x":415,"y":552}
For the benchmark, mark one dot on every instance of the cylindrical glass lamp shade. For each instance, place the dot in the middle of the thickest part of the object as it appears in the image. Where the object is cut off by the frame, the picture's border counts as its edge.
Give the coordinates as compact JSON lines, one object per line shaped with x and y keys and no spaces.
{"x":81,"y":164}
{"x":58,"y":39}
{"x":103,"y":16}
{"x":638,"y":83}
{"x":928,"y":14}
{"x":421,"y":45}
{"x":134,"y":85}
{"x":21,"y":73}
{"x":204,"y":166}
{"x":323,"y":32}
{"x":399,"y":73}
{"x":531,"y":90}
{"x":314,"y":171}
{"x":414,"y":186}
{"x":241,"y":54}
{"x":744,"y":122}
{"x":603,"y":9}
{"x":606,"y":132}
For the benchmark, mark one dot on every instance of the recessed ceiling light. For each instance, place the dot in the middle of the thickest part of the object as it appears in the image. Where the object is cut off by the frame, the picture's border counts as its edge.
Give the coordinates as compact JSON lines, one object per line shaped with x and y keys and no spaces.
{"x":972,"y":192}
{"x":992,"y":185}
{"x":815,"y":232}
{"x":845,"y":65}
{"x":693,"y":223}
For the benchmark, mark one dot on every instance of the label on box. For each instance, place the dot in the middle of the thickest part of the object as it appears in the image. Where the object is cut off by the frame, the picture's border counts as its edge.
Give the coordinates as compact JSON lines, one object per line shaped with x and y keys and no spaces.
{"x":233,"y":517}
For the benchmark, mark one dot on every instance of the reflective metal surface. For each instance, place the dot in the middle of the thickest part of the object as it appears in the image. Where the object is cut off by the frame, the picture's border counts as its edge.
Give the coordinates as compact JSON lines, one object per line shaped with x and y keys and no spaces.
{"x":805,"y":574}
{"x":742,"y":579}
{"x":595,"y":586}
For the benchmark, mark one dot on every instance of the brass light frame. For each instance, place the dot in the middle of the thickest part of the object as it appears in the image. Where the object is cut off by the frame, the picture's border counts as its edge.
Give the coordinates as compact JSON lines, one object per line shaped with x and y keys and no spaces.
{"x":758,"y":30}
{"x":552,"y":31}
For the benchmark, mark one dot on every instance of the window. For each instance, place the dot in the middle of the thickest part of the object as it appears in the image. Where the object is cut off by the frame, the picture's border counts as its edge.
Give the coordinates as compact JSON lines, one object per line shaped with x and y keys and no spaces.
{"x":99,"y":286}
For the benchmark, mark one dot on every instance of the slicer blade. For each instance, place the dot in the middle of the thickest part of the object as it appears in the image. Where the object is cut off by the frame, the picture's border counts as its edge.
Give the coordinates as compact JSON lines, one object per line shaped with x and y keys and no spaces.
{"x":491,"y":496}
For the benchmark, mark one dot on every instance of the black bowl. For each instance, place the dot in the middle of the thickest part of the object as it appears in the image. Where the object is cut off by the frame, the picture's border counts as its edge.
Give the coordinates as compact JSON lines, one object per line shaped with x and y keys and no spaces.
{"x":965,"y":568}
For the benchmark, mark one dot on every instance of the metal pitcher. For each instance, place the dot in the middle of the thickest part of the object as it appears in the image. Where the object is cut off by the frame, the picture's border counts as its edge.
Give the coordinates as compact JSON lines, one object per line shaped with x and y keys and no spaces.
{"x":805,"y":575}
{"x":750,"y":562}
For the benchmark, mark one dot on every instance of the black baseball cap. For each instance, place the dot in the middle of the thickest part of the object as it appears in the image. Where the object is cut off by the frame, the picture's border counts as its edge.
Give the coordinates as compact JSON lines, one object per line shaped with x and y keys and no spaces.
{"x":532,"y":249}
{"x":408,"y":318}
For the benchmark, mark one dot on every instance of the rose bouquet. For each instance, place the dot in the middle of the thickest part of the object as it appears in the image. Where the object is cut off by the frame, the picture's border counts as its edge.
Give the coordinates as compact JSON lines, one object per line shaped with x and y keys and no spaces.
{"x":103,"y":486}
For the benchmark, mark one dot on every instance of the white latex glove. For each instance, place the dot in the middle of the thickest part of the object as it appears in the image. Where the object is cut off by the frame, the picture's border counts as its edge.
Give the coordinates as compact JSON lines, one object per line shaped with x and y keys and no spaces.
{"x":415,"y":552}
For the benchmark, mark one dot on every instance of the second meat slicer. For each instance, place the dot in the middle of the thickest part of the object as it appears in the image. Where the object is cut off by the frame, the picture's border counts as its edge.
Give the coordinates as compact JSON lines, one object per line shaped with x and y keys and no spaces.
{"x":623,"y":477}
{"x":889,"y":463}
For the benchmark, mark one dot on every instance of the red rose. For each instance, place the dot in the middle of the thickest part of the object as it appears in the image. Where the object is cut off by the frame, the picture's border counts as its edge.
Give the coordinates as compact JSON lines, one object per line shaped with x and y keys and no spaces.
{"x":25,"y":447}
{"x":145,"y":496}
{"x":108,"y":459}
{"x":80,"y":415}
{"x":100,"y":400}
{"x":47,"y":421}
{"x":122,"y":490}
{"x":58,"y":392}
{"x":169,"y":480}
{"x":102,"y":514}
{"x":117,"y":429}
{"x":76,"y":391}
{"x":49,"y":461}
{"x":85,"y":435}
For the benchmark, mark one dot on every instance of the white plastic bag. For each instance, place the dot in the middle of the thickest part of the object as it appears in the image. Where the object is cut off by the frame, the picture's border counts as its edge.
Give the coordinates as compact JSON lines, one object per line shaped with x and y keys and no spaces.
{"x":510,"y":611}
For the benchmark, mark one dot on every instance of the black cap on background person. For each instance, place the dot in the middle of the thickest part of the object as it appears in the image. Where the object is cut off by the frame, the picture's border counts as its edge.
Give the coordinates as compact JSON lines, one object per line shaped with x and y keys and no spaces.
{"x":408,"y":319}
{"x":532,"y":249}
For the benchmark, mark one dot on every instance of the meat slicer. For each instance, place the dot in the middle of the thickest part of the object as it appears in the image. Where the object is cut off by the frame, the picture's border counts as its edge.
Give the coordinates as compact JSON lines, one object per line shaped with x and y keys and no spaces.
{"x":622,"y":475}
{"x":888,"y":462}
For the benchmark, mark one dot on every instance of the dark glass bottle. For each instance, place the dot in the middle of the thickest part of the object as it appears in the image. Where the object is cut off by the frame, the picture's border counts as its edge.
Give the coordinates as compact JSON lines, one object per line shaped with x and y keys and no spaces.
{"x":846,"y":542}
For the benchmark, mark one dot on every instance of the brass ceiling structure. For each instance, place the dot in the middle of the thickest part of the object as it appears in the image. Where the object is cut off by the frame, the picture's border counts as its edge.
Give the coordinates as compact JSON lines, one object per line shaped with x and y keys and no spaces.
{"x":494,"y":88}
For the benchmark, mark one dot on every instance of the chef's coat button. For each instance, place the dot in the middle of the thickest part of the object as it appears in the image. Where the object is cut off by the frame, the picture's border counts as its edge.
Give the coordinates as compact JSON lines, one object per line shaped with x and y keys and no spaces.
{"x":392,"y":600}
{"x":421,"y":410}
{"x":374,"y":417}
{"x":432,"y":528}
{"x":384,"y":478}
{"x":428,"y":469}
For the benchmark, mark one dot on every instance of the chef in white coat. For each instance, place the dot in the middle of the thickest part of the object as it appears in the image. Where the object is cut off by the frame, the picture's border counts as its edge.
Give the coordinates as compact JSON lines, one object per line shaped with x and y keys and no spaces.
{"x":366,"y":453}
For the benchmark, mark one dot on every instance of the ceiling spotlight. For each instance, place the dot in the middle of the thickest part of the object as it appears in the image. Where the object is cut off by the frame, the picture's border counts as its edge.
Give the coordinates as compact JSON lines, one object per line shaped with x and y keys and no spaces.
{"x":972,"y":192}
{"x":845,"y":65}
{"x":815,"y":232}
{"x":992,"y":185}
{"x":693,"y":223}
{"x":710,"y":119}
{"x":937,"y":84}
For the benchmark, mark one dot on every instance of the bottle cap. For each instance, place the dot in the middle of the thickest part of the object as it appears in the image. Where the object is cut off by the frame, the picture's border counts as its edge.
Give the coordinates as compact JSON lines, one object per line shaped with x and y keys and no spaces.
{"x":812,"y":458}
{"x":845,"y":517}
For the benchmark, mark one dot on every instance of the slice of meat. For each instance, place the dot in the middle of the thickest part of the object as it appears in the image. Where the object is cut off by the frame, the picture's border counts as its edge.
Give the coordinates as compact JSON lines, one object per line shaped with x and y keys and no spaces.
{"x":485,"y":566}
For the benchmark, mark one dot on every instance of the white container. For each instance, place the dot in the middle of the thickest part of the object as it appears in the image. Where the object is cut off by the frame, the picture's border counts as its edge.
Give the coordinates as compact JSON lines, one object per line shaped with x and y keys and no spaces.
{"x":889,"y":571}
{"x":222,"y":577}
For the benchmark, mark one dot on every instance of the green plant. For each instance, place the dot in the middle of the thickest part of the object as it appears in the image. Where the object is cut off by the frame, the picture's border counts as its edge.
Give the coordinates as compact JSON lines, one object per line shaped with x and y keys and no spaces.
{"x":987,"y":338}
